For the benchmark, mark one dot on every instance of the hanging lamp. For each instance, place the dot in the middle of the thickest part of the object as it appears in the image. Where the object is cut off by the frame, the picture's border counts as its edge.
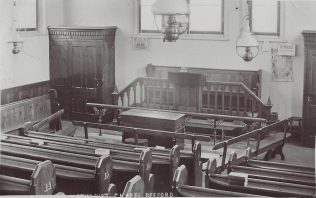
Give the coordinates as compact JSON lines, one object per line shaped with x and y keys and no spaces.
{"x":171,"y":18}
{"x":247,"y":46}
{"x":14,"y":37}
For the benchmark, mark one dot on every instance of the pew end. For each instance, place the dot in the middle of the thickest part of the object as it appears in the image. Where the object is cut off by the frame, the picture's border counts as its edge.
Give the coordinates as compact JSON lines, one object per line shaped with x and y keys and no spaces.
{"x":211,"y":168}
{"x":232,"y":161}
{"x":112,"y":190}
{"x":104,"y":174}
{"x":197,"y":164}
{"x":43,"y":179}
{"x":180,"y":178}
{"x":134,"y":187}
{"x":145,"y":168}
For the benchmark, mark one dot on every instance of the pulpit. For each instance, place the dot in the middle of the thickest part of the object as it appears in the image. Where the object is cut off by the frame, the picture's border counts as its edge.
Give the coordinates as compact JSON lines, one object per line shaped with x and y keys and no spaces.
{"x":188,"y":90}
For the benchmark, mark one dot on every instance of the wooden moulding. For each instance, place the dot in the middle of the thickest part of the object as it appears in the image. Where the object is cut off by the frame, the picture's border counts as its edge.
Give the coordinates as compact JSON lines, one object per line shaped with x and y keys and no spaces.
{"x":43,"y":179}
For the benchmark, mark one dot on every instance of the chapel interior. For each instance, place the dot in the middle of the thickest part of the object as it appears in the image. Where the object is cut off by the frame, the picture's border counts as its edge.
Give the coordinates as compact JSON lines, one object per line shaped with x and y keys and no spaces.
{"x":158,"y":98}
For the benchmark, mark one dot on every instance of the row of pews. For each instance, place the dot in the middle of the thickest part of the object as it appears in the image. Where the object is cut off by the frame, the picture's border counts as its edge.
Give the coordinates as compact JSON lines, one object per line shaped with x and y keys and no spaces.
{"x":251,"y":178}
{"x":42,"y":163}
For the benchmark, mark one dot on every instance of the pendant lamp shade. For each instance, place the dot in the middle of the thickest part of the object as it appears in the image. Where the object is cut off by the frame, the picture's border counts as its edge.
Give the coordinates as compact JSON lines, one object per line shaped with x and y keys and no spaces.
{"x":247,"y":46}
{"x":171,"y":17}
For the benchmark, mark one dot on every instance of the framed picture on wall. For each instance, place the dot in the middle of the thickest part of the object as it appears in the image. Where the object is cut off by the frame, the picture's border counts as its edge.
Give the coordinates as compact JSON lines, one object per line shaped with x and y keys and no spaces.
{"x":282,"y":67}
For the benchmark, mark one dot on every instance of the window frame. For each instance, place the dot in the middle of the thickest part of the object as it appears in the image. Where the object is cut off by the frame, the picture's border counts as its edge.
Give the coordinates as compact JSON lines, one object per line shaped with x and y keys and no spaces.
{"x":271,"y":36}
{"x":40,"y":21}
{"x":196,"y":35}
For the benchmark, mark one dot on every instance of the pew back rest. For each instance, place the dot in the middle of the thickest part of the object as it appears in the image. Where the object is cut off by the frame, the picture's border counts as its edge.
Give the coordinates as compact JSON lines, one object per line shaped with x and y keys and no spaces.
{"x":14,"y":115}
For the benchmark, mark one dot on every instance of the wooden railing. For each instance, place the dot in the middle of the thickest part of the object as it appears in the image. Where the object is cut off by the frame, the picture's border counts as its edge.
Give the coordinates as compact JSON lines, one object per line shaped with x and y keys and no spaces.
{"x":215,"y":119}
{"x":258,"y":134}
{"x":226,"y":98}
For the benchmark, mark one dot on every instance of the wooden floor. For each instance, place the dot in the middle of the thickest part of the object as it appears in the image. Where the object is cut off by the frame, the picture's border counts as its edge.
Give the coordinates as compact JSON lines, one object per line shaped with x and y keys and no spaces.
{"x":294,"y":154}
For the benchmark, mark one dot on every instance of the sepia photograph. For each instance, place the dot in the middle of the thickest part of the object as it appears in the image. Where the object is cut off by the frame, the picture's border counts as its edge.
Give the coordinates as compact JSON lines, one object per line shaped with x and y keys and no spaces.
{"x":158,"y":98}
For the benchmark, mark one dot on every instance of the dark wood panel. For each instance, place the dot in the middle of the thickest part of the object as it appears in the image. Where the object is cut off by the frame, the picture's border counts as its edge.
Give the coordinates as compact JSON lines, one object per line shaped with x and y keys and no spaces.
{"x":309,"y":99}
{"x":88,"y":64}
{"x":251,"y":79}
{"x":14,"y":115}
{"x":15,"y":94}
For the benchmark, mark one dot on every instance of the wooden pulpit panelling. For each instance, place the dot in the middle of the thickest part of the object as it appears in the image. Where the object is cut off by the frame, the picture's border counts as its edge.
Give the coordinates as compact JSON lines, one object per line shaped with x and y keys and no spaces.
{"x":251,"y":78}
{"x":187,"y":89}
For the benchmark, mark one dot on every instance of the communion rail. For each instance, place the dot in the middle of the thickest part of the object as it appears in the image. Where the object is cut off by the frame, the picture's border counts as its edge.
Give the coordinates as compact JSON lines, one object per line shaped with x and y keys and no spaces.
{"x":214,"y":119}
{"x":226,"y":98}
{"x":272,"y":147}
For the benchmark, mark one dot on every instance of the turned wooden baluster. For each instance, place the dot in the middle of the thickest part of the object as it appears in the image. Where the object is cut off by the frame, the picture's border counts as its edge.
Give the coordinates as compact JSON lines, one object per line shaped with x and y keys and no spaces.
{"x":231,"y":100}
{"x":115,"y":96}
{"x":245,"y":102}
{"x":168,"y":88}
{"x":208,"y":98}
{"x":238,"y":100}
{"x":147,"y":89}
{"x":223,"y":99}
{"x":134,"y":90}
{"x":215,"y":105}
{"x":122,"y":99}
{"x":161,"y":93}
{"x":141,"y":86}
{"x":128,"y":92}
{"x":100,"y":112}
{"x":154,"y":88}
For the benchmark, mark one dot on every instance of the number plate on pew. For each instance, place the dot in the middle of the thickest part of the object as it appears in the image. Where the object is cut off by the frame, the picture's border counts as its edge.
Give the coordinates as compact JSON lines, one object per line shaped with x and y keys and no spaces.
{"x":101,"y":151}
{"x":37,"y":142}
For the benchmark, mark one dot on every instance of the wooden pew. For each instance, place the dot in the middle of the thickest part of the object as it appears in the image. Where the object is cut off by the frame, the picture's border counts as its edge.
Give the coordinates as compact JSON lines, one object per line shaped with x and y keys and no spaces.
{"x":78,"y":173}
{"x":125,"y":163}
{"x":181,"y":187}
{"x":166,"y":160}
{"x":42,"y":180}
{"x":276,"y":174}
{"x":190,"y":159}
{"x":55,"y":117}
{"x":162,"y":159}
{"x":257,"y":186}
{"x":14,"y":115}
{"x":275,"y":165}
{"x":134,"y":188}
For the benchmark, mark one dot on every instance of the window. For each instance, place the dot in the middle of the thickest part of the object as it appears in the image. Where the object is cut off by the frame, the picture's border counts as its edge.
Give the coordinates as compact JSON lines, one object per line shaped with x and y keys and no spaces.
{"x":266,"y":17}
{"x":206,"y":17}
{"x":27,"y":15}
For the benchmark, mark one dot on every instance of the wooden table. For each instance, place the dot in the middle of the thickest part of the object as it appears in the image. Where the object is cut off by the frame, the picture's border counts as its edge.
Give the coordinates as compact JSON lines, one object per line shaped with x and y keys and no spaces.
{"x":156,"y":120}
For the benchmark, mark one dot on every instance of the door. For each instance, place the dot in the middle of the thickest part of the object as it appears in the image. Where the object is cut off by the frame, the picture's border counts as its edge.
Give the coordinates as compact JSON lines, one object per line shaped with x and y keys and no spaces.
{"x":86,"y":79}
{"x":59,"y":73}
{"x":309,"y":116}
